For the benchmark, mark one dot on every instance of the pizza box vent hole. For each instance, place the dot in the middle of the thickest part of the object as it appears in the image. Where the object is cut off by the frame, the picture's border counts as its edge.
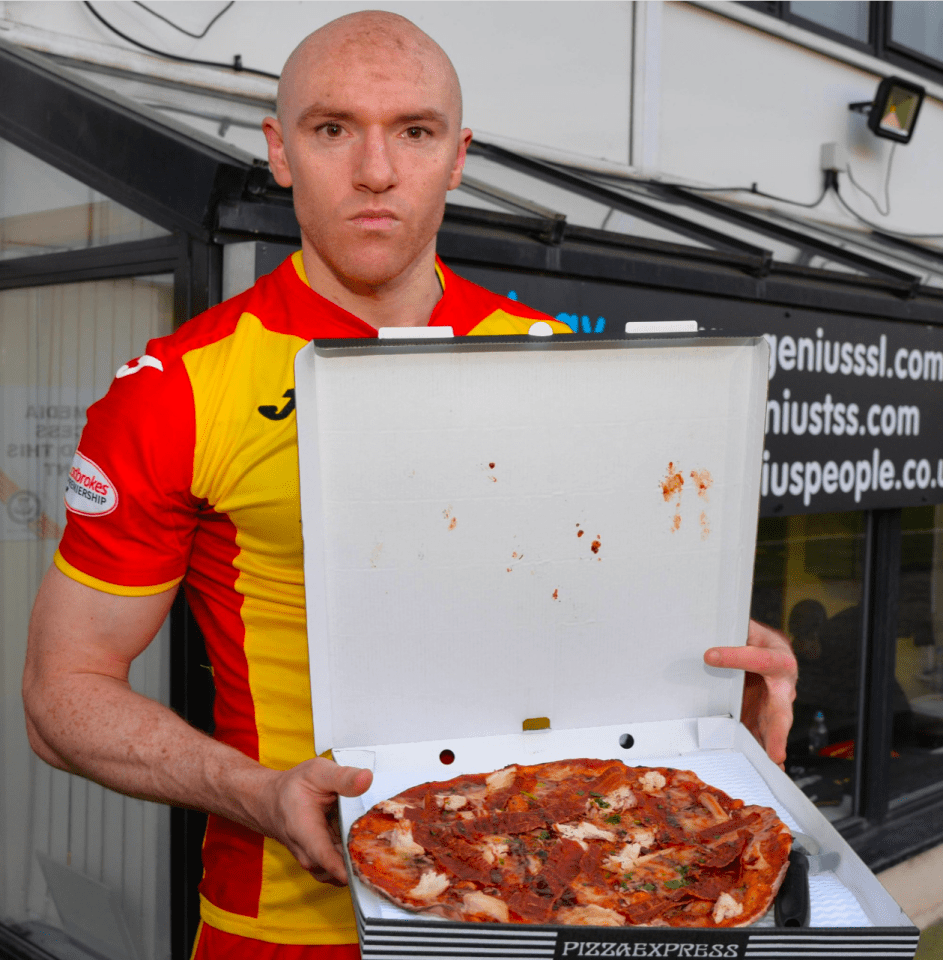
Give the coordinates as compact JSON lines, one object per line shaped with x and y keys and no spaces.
{"x":626,"y":741}
{"x":537,"y":723}
{"x":447,"y":757}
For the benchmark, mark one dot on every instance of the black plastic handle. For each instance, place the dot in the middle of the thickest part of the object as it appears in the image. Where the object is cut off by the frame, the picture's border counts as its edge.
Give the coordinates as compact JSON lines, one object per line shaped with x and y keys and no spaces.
{"x":792,"y":907}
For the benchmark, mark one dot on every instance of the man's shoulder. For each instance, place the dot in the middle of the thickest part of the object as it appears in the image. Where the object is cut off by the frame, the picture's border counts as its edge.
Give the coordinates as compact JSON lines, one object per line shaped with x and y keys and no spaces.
{"x":269,"y":300}
{"x":473,"y":310}
{"x":279,"y":303}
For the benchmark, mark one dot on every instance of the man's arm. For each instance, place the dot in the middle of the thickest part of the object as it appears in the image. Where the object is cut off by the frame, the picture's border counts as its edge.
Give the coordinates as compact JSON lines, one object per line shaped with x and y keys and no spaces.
{"x":770,"y":685}
{"x":82,"y":716}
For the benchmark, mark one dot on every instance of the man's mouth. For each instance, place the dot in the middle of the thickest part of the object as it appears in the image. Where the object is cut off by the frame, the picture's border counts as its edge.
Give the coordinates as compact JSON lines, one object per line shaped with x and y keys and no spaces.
{"x":376,"y":219}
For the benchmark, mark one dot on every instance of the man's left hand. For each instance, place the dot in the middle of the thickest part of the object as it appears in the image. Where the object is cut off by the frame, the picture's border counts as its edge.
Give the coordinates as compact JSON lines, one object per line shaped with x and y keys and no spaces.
{"x":769,"y":687}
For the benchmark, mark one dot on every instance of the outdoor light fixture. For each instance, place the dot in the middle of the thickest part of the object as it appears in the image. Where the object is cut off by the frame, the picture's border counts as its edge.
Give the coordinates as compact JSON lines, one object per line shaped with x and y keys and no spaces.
{"x":893,"y":111}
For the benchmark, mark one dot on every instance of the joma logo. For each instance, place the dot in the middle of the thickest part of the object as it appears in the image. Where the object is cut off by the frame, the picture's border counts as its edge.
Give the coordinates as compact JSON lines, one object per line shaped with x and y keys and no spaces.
{"x":273,"y":413}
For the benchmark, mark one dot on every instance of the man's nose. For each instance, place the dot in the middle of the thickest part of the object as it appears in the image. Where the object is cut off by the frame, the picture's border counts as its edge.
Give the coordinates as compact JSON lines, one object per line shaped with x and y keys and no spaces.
{"x":377,"y":171}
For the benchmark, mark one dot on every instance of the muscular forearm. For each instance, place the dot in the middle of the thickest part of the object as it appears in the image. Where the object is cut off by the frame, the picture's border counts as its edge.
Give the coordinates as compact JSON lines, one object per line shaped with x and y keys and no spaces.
{"x":82,"y":716}
{"x":98,"y":727}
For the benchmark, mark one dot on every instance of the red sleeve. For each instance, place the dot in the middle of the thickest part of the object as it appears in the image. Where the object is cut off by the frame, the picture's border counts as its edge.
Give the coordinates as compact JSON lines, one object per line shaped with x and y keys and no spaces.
{"x":131,"y":514}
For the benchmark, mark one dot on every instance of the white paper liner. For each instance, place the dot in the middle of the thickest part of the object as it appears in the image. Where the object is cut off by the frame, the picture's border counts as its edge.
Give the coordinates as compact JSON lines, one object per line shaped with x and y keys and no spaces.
{"x":833,"y":904}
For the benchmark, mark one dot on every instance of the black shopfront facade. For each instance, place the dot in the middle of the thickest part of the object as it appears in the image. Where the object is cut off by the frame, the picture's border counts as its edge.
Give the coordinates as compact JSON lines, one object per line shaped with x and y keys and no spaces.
{"x":850,"y":550}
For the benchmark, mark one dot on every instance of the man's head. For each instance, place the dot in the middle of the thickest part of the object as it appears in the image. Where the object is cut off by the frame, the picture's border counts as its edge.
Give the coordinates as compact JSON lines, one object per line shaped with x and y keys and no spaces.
{"x":368,"y":135}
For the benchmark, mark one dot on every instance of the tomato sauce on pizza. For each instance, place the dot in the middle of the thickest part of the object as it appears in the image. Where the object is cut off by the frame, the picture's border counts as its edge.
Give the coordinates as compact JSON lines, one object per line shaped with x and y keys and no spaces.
{"x":591,"y":842}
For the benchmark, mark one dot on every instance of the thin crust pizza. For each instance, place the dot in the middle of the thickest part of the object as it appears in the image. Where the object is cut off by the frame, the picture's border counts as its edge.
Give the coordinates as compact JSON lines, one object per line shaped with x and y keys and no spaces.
{"x":591,"y":842}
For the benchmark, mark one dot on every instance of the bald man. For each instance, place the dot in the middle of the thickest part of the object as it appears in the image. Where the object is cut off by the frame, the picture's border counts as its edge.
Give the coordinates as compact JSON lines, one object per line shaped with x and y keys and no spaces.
{"x":192,"y":456}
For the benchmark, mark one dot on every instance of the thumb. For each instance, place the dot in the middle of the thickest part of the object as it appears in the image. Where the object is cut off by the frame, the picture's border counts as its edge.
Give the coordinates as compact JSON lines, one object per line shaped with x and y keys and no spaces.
{"x":353,"y":781}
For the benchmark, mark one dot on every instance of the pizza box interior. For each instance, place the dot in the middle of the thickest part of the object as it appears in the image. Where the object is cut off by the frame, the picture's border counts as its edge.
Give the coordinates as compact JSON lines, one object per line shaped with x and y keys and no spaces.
{"x":518,"y":532}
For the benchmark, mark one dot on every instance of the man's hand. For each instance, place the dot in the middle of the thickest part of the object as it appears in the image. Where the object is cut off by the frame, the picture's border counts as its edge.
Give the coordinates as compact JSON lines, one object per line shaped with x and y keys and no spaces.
{"x":301,"y":812}
{"x":770,"y":685}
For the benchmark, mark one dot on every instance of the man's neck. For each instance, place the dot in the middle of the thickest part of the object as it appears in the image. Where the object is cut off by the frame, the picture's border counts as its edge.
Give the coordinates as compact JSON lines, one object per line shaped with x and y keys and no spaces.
{"x":406,"y":301}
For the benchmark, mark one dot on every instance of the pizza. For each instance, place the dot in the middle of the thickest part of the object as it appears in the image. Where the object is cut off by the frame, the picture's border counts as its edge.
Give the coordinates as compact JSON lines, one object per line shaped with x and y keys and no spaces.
{"x":591,"y":842}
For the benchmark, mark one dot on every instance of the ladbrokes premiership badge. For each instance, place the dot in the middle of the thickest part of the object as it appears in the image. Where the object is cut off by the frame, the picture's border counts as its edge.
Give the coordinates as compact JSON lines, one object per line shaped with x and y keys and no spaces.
{"x":89,"y":492}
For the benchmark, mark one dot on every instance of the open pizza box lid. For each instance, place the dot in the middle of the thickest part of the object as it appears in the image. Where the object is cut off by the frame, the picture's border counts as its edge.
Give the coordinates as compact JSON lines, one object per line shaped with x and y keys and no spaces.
{"x":503,"y":529}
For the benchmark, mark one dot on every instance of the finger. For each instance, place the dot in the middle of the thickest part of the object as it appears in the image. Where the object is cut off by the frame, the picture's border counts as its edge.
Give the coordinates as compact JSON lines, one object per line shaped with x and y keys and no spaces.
{"x":762,"y":660}
{"x":329,"y":865}
{"x":322,"y":876}
{"x":775,"y":742}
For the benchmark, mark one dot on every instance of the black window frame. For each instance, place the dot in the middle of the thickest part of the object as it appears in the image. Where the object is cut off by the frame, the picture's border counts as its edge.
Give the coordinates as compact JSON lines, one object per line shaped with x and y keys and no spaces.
{"x":879,"y":43}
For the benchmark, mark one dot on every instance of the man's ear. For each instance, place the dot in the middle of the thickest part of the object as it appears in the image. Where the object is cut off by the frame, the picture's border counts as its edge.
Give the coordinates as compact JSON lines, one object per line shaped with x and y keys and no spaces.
{"x":278,"y":162}
{"x":464,"y":139}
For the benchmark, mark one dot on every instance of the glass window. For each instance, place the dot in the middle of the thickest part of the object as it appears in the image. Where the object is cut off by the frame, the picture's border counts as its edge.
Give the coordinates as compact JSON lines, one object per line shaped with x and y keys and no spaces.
{"x":43,"y":210}
{"x":65,"y":841}
{"x":917,"y":688}
{"x":917,"y":26}
{"x":226,"y":121}
{"x":808,"y":581}
{"x":847,"y":18}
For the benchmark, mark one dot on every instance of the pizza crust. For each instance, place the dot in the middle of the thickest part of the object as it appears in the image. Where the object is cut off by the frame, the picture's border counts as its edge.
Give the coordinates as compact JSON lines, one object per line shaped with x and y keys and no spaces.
{"x":591,"y":842}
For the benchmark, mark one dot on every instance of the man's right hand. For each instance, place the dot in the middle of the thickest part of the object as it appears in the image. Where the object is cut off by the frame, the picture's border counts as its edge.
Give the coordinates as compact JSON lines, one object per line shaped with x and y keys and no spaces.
{"x":300,"y":807}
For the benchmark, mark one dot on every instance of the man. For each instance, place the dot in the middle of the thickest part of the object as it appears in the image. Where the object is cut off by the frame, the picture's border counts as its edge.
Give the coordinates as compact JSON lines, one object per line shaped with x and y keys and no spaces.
{"x":201,"y":486}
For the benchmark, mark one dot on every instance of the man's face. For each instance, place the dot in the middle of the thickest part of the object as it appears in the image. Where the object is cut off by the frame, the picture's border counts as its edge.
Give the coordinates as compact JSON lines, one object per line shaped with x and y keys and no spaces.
{"x":369,"y":140}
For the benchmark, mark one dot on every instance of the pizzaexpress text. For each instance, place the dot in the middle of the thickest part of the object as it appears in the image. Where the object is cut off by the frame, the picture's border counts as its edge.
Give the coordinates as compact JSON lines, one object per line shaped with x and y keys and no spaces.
{"x":602,"y":948}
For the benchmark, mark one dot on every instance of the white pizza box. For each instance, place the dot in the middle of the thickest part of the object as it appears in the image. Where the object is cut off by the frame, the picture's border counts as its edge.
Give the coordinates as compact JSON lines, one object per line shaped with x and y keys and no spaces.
{"x":496,"y":531}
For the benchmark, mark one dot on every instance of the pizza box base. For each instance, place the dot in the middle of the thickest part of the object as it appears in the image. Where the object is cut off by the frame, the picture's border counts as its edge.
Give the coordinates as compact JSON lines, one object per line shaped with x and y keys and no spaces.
{"x":852,"y":914}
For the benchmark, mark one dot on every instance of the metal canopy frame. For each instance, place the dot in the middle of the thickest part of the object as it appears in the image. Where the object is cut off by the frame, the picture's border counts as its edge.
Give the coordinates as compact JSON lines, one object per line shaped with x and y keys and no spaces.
{"x":119,"y":148}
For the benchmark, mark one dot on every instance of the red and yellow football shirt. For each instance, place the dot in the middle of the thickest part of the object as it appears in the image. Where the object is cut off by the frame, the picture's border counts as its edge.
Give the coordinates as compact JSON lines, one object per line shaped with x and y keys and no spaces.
{"x":188,"y":471}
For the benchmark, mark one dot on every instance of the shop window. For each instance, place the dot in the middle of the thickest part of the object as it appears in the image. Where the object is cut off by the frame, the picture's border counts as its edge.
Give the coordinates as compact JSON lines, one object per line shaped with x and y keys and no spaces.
{"x":906,"y":34}
{"x":42,"y":210}
{"x":847,"y":18}
{"x":67,"y":844}
{"x":808,"y":581}
{"x":918,"y":29}
{"x":917,"y":760}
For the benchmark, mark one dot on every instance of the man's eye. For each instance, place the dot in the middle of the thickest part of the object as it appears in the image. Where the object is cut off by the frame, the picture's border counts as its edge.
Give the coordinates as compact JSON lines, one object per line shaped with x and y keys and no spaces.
{"x":415,"y":133}
{"x":331,"y":129}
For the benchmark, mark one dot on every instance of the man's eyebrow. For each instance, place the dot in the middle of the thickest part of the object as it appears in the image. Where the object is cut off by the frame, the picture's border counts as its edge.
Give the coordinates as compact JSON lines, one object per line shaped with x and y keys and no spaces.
{"x":320,"y":111}
{"x":425,"y":116}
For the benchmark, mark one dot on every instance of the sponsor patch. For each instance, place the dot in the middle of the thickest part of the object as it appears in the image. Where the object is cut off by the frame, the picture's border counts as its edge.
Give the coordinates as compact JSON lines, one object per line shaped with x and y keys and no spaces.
{"x":88,"y":490}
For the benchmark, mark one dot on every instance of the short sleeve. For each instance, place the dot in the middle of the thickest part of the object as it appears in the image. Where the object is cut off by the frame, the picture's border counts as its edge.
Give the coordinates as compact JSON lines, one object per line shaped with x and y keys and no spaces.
{"x":130,"y":511}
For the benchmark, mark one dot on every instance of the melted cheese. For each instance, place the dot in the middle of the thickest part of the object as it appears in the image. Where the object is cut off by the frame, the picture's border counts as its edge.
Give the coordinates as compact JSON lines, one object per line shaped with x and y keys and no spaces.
{"x":478,"y":902}
{"x":710,"y":802}
{"x":621,"y":798}
{"x":591,"y":915}
{"x":726,"y":907}
{"x":393,"y":808}
{"x":401,"y":840}
{"x":501,"y":779}
{"x":652,"y":781}
{"x":583,"y":831}
{"x":625,"y":859}
{"x":642,"y":836}
{"x":493,"y":849}
{"x":430,"y":885}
